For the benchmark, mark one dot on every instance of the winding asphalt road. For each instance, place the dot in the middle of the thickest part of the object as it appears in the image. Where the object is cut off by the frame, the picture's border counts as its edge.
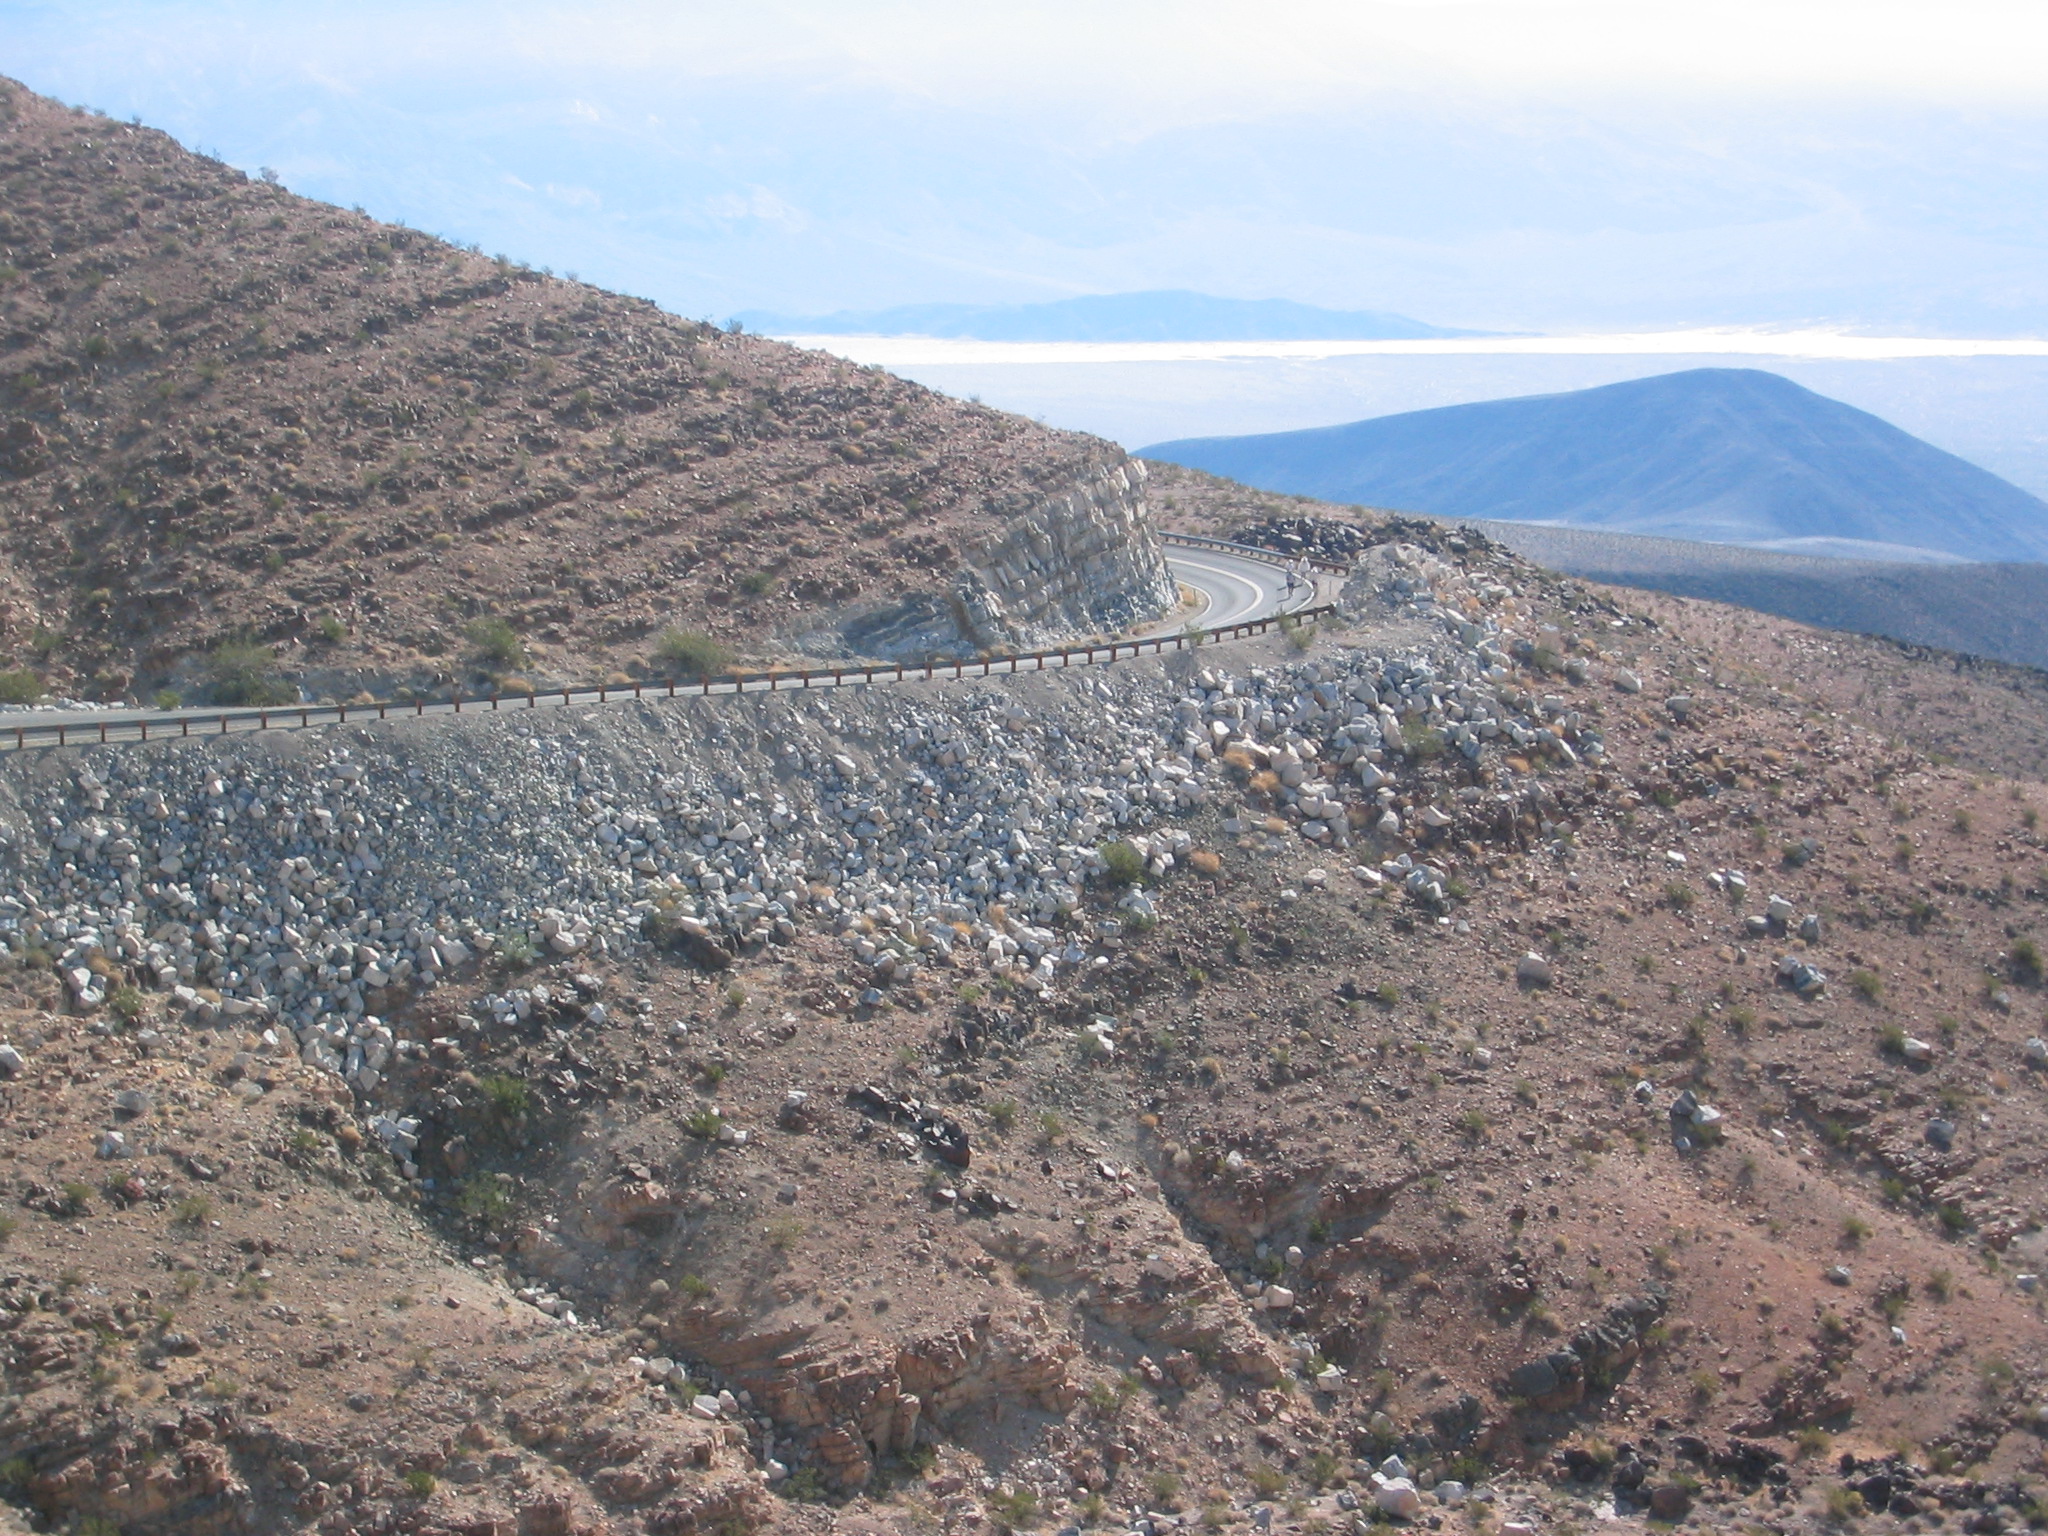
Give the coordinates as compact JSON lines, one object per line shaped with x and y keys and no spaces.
{"x":1235,"y":588}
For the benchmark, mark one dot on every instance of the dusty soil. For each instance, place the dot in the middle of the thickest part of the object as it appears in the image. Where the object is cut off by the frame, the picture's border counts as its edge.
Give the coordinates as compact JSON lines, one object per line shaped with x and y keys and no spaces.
{"x":232,"y":414}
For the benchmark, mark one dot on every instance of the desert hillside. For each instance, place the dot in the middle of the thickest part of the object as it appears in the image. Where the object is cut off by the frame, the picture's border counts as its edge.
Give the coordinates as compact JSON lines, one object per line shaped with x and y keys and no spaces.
{"x":1524,"y":1055}
{"x":361,"y":458}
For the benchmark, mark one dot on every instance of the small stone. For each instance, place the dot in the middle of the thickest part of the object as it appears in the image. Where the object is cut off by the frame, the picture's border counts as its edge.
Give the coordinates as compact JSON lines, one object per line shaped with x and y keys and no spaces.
{"x":1838,"y":1274}
{"x":1532,"y":970}
{"x":113,"y":1144}
{"x":1941,"y":1134}
{"x":1916,"y":1050}
{"x":1669,"y":1501}
{"x":12,"y":1062}
{"x":133,"y":1103}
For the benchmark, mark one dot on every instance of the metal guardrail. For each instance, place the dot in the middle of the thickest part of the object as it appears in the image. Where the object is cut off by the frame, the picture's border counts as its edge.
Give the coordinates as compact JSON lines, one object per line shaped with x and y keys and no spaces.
{"x":163,"y":726}
{"x":1253,"y":552}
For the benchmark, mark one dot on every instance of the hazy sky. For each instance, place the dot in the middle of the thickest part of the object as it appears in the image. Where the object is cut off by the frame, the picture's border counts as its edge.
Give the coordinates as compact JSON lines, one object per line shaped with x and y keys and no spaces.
{"x":1498,"y":163}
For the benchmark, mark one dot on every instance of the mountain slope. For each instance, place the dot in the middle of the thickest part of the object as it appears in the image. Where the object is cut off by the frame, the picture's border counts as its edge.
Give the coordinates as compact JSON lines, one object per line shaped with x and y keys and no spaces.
{"x":1161,"y":315}
{"x":1716,"y":454}
{"x":228,"y":414}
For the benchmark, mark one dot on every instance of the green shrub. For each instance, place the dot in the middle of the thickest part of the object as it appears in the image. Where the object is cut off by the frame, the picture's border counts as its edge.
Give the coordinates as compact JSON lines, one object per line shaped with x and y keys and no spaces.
{"x":1867,"y":985}
{"x":243,"y":673}
{"x":705,"y":1123}
{"x":1845,"y":1503}
{"x":22,"y":687}
{"x":2027,"y":965}
{"x":517,"y":951}
{"x":756,"y":583}
{"x":506,"y":1098}
{"x":192,"y":1211}
{"x":1122,"y":864}
{"x":806,"y":1485}
{"x":692,"y":653}
{"x":167,"y":698}
{"x":1015,"y":1507}
{"x":496,"y":645}
{"x":483,"y":1197}
{"x":420,"y":1483}
{"x":127,"y":1004}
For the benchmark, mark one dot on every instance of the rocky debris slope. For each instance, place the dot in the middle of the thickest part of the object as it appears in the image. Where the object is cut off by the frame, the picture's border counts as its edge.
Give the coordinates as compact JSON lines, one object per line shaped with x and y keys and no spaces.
{"x":1335,"y":540}
{"x":233,"y":415}
{"x":307,"y":882}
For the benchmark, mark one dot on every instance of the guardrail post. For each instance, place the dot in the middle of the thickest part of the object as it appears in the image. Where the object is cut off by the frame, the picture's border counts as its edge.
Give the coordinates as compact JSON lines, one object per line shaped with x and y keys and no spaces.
{"x":636,"y":690}
{"x":419,"y":706}
{"x":223,"y":725}
{"x":20,"y":738}
{"x":263,"y":720}
{"x":103,"y":733}
{"x":60,"y":735}
{"x":457,"y":702}
{"x":184,"y":727}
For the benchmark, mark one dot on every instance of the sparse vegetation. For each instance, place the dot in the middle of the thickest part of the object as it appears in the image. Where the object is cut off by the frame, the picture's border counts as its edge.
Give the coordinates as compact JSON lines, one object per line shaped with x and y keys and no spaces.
{"x":692,"y":653}
{"x":242,"y":673}
{"x":495,"y":645}
{"x":1122,"y":864}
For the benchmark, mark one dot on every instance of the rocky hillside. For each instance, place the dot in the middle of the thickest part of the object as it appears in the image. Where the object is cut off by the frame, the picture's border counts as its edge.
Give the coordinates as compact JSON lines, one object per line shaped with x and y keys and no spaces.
{"x":251,"y":444}
{"x":1526,"y":1055}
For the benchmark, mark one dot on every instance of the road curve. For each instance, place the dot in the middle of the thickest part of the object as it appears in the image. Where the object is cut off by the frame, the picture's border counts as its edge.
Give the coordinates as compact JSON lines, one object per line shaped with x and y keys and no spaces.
{"x":1236,"y":589}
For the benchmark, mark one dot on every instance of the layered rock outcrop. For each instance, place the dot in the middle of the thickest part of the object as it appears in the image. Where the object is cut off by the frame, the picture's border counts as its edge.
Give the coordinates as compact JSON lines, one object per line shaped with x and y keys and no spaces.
{"x":1077,"y":561}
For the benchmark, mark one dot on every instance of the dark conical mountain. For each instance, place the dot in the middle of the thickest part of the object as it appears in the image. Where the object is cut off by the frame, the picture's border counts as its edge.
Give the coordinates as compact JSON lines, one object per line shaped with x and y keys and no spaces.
{"x":1726,"y":455}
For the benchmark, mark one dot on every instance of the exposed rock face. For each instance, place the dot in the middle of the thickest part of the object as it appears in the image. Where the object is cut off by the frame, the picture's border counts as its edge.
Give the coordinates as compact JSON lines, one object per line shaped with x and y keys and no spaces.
{"x":1078,"y":561}
{"x":843,"y":1411}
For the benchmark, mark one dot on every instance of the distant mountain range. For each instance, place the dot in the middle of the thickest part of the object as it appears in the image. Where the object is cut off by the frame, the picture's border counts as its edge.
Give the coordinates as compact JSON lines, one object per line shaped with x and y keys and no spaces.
{"x":1169,"y":314}
{"x":1981,"y":609}
{"x":1721,"y":455}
